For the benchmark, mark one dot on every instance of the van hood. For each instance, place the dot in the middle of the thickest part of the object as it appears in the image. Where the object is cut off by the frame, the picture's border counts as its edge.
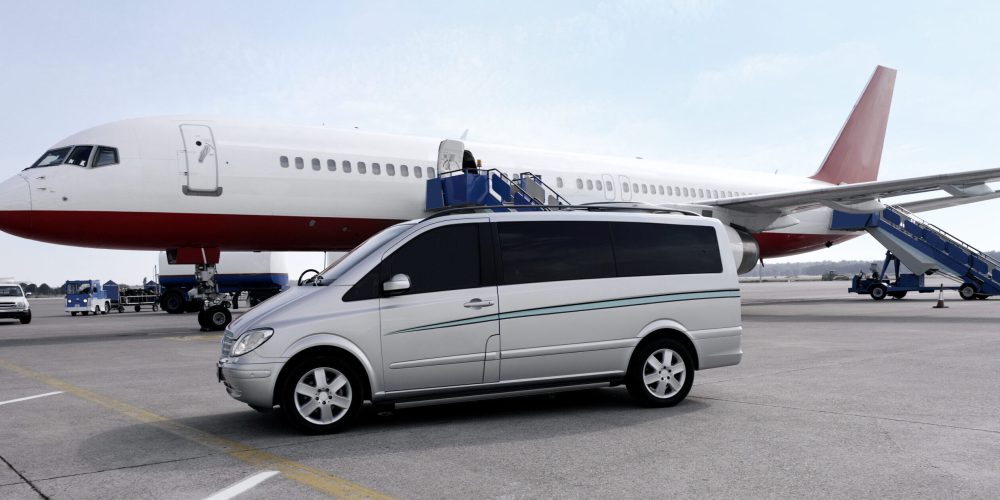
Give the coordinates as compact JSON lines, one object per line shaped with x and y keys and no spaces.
{"x":263,"y":311}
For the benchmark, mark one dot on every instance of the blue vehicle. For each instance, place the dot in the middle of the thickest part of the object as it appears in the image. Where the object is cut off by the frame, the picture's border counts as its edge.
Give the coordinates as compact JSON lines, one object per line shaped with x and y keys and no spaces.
{"x":86,"y":297}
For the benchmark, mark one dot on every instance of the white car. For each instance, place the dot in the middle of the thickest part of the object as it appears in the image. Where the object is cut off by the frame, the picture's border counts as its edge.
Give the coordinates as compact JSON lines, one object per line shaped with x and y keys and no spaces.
{"x":462,"y":306}
{"x":14,"y":303}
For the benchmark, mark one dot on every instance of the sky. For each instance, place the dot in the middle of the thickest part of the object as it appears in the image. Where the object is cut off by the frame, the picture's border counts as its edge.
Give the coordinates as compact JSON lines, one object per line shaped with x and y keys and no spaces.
{"x":762,"y":86}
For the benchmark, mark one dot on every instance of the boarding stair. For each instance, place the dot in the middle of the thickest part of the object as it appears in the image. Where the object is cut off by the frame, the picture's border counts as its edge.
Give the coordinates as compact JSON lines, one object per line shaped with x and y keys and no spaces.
{"x":926,"y":249}
{"x":490,"y":188}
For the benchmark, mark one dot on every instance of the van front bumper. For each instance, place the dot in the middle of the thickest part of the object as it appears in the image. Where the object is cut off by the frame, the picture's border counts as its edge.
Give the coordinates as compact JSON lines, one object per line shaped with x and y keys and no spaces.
{"x":16,"y":313}
{"x":252,"y":384}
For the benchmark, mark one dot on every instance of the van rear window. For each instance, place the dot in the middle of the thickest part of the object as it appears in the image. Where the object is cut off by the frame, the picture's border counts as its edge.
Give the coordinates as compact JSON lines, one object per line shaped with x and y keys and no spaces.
{"x":660,"y":249}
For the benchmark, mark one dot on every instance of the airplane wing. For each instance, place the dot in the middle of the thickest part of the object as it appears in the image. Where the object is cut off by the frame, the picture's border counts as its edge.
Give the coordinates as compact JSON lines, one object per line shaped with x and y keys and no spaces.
{"x":964,"y":187}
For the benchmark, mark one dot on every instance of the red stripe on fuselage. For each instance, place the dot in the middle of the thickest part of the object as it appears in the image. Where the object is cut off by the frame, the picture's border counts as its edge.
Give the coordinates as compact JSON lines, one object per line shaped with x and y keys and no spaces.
{"x":161,"y":230}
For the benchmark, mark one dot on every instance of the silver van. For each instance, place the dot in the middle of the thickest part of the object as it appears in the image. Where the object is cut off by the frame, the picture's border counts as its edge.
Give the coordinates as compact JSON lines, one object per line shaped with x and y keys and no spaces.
{"x":462,"y":306}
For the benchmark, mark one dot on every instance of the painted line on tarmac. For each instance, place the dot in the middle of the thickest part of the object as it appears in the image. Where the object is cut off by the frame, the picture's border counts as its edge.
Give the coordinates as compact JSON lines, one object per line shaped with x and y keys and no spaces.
{"x":18,"y":400}
{"x":312,"y":477}
{"x":242,"y":486}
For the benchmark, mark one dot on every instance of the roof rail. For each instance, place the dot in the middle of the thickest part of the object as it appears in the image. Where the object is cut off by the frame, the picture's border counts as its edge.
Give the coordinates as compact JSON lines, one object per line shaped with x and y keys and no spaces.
{"x":594,"y":207}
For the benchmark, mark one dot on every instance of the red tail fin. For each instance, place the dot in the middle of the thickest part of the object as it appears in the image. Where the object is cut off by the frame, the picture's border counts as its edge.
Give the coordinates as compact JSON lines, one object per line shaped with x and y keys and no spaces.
{"x":855,"y":155}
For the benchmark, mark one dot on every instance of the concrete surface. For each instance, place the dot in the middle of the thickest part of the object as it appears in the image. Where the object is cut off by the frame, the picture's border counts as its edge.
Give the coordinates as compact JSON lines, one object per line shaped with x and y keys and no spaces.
{"x":837,"y":396}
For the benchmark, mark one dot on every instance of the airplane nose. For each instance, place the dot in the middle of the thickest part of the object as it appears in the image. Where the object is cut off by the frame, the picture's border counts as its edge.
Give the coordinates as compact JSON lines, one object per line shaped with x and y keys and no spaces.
{"x":15,"y":206}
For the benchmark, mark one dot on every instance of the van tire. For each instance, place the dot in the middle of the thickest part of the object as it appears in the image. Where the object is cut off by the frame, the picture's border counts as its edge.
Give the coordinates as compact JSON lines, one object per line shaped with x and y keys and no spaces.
{"x":292,"y":402}
{"x":643,"y":371}
{"x":26,"y":318}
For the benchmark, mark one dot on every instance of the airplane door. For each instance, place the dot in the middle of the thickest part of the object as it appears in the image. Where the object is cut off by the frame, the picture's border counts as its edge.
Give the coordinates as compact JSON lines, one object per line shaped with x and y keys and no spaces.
{"x":625,"y":187}
{"x":609,"y":187}
{"x":201,"y":160}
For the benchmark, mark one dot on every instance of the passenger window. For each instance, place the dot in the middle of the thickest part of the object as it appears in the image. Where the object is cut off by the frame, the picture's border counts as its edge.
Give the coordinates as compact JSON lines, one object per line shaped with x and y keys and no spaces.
{"x":284,"y":162}
{"x":376,"y":169}
{"x":299,"y":163}
{"x":644,"y":191}
{"x":643,"y":249}
{"x":390,"y":169}
{"x":109,"y":156}
{"x":331,"y":165}
{"x":670,"y":191}
{"x":417,"y":257}
{"x":559,"y":182}
{"x":686,"y":192}
{"x":590,"y":185}
{"x":598,"y":185}
{"x":404,"y":170}
{"x":715,"y":193}
{"x":80,"y":156}
{"x":661,"y":190}
{"x":579,"y":183}
{"x":347,"y":166}
{"x":701,"y":193}
{"x":315,"y":164}
{"x":635,"y":187}
{"x":535,"y":252}
{"x":362,"y":168}
{"x":417,"y":172}
{"x":430,"y":172}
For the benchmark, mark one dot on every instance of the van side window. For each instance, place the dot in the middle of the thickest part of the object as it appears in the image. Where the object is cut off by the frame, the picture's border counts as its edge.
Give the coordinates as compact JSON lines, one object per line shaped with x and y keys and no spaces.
{"x":534,"y":252}
{"x":420,"y":259}
{"x":366,"y":288}
{"x":643,"y":249}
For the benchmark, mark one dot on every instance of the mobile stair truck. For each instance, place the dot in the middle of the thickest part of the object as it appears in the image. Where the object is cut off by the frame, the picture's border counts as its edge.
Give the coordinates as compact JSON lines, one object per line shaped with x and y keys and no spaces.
{"x":924,"y":249}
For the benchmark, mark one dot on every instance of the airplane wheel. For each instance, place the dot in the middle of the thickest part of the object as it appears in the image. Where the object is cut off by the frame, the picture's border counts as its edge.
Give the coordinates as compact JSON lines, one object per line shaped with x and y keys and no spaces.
{"x":215,"y":318}
{"x":967,"y":292}
{"x":878,"y":292}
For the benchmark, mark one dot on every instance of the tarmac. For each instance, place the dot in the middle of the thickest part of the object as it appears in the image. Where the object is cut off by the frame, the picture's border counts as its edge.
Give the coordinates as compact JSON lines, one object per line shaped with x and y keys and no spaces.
{"x":838,"y":396}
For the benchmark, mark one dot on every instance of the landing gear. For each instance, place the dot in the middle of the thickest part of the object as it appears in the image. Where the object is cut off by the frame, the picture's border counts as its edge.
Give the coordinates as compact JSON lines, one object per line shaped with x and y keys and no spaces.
{"x":214,"y":318}
{"x":215,"y":315}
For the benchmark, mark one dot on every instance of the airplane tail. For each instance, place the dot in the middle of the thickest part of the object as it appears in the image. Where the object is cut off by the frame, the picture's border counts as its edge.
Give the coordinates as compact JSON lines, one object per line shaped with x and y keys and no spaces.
{"x":857,"y":152}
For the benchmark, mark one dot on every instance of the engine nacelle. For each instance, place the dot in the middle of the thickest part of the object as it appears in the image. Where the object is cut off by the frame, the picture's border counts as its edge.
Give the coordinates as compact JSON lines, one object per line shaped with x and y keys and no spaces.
{"x":746,"y":251}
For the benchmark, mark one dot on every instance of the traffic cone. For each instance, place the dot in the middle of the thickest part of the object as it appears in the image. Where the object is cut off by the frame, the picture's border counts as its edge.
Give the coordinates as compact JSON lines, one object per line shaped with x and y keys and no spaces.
{"x":940,"y":302}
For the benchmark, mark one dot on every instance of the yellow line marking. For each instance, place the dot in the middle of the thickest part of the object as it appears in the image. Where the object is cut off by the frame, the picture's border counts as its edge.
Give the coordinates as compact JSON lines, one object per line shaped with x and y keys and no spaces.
{"x":314,"y":478}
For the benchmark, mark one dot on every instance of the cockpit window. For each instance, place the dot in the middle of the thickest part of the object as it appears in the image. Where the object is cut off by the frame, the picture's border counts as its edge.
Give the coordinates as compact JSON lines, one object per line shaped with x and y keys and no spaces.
{"x":80,"y":156}
{"x":105,"y":156}
{"x":52,"y":157}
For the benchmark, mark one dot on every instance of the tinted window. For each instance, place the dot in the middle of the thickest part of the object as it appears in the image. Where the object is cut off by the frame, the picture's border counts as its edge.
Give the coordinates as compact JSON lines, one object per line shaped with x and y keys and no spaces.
{"x":80,"y":156}
{"x":446,"y":258}
{"x":366,"y":288}
{"x":109,"y":156}
{"x":658,"y":249}
{"x":534,"y":252}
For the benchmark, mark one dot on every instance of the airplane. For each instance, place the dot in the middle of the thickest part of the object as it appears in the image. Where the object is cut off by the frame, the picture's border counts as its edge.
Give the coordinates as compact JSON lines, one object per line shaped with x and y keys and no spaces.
{"x":196,"y":186}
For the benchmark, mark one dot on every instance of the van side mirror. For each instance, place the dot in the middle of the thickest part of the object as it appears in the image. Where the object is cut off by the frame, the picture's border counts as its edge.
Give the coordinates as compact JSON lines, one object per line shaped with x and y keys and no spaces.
{"x":396,"y":285}
{"x":27,"y":294}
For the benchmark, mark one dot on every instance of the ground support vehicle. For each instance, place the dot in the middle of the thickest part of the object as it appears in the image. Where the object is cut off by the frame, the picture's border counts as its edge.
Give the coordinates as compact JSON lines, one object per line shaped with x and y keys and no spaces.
{"x":879,"y":285}
{"x":14,"y":303}
{"x":86,"y":297}
{"x":124,"y":298}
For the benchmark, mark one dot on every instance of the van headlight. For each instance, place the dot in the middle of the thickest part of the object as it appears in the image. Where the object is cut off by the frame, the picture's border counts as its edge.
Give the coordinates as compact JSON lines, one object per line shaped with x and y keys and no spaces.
{"x":250,"y":341}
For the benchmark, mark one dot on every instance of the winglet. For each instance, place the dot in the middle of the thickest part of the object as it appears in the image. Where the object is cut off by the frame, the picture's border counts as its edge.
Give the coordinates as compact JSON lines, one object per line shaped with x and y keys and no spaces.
{"x":857,"y":152}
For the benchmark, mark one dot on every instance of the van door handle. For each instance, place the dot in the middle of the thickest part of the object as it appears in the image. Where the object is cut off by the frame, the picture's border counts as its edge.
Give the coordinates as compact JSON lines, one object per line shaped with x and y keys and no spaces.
{"x":478,"y":303}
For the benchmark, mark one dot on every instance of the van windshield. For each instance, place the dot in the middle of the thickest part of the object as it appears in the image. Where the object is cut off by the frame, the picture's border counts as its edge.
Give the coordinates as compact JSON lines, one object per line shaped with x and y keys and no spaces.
{"x":360,"y":252}
{"x":10,"y":291}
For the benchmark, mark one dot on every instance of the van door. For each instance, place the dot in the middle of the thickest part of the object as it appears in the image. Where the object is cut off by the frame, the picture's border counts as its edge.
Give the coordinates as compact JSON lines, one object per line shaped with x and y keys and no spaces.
{"x":201,"y":161}
{"x":558,"y":307}
{"x":625,"y":187}
{"x":609,"y":187}
{"x":435,"y":334}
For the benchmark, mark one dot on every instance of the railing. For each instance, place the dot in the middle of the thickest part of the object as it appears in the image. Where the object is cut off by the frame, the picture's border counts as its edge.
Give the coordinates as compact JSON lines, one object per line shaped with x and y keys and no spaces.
{"x":944,"y":234}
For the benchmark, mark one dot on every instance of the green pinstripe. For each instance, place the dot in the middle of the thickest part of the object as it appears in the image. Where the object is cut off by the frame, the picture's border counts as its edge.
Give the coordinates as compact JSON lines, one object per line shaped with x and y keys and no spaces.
{"x":583,"y":306}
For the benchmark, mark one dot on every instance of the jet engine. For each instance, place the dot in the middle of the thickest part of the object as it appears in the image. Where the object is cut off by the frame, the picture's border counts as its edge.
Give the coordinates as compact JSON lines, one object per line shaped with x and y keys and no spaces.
{"x":746,"y":251}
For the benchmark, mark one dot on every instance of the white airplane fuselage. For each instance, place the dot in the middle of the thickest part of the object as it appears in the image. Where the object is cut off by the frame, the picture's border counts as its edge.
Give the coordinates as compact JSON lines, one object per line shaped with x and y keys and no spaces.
{"x":188,"y":182}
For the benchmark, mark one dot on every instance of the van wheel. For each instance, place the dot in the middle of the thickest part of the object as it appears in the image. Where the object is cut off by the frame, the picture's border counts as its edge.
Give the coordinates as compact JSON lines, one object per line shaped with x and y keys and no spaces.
{"x":660,"y":373}
{"x":26,"y":318}
{"x":322,"y":394}
{"x":107,"y":308}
